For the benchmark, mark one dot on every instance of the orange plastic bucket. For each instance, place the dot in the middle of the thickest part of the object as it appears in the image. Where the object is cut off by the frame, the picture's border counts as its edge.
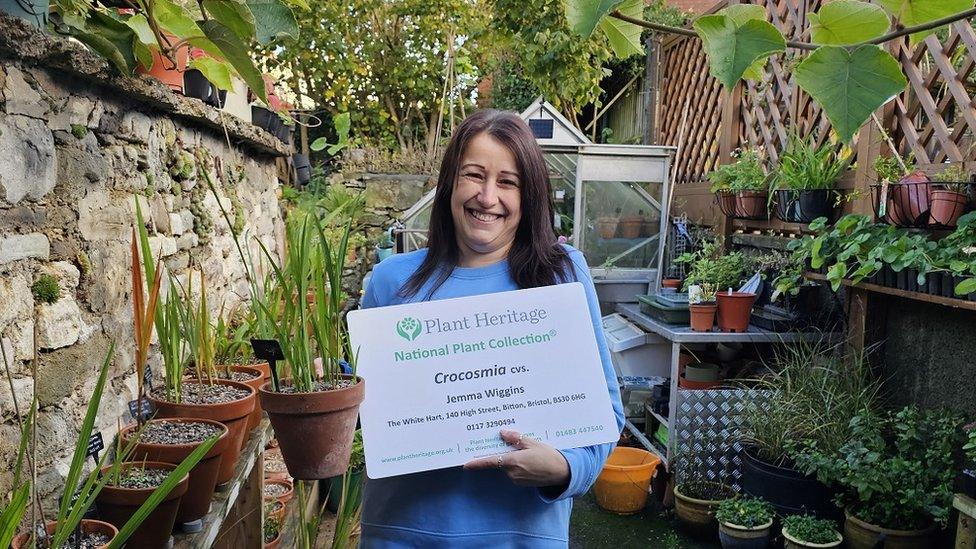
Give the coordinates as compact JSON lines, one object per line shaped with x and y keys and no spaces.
{"x":622,"y":486}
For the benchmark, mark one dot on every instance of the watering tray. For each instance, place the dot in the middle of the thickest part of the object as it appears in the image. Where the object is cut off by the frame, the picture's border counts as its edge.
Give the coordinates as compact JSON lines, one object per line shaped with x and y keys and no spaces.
{"x":672,"y":299}
{"x":669,"y":314}
{"x":772,"y":320}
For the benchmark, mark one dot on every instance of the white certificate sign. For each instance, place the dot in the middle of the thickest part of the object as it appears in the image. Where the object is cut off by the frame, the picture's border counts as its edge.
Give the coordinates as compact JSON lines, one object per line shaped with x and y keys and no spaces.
{"x":444,"y":377}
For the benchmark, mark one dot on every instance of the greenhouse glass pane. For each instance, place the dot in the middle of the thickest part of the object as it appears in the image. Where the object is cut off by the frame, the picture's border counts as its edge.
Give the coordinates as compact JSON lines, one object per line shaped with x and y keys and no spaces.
{"x":622,"y":225}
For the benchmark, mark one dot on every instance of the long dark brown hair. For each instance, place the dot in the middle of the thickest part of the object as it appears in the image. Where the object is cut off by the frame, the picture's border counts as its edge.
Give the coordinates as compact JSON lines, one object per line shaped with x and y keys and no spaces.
{"x":536,"y":258}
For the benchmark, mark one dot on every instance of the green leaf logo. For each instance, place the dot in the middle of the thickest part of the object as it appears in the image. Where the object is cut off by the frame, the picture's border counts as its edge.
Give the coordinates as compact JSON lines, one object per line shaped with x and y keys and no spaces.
{"x":408,"y":328}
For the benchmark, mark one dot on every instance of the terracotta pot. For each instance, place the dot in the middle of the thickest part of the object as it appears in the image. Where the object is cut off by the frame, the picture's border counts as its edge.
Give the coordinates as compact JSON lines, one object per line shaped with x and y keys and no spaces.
{"x":277,"y":511}
{"x":273,"y":544}
{"x":671,"y":283}
{"x":947,"y":207}
{"x":233,"y":414}
{"x":685,"y":383}
{"x":607,"y":227}
{"x":696,"y":515}
{"x":908,"y":200}
{"x":862,"y":535}
{"x":751,"y":204}
{"x":790,"y":542}
{"x":22,"y":540}
{"x":117,"y":505}
{"x":275,"y":453}
{"x":734,"y":310}
{"x":630,"y":226}
{"x":255,"y":418}
{"x":283,"y":498}
{"x":703,"y":316}
{"x":164,"y":70}
{"x":315,"y":430}
{"x":203,"y":477}
{"x":734,"y":536}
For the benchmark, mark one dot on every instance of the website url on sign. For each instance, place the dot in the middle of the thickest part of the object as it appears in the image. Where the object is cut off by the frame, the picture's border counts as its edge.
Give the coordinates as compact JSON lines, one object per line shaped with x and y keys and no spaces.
{"x":416,"y":455}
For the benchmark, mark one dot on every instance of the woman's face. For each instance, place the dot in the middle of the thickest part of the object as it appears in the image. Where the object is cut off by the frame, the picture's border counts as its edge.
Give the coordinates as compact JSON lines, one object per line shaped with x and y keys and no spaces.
{"x":487,"y":201}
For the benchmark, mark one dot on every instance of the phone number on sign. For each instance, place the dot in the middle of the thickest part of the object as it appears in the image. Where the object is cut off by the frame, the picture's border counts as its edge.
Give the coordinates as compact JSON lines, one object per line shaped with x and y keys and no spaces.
{"x":492,"y":423}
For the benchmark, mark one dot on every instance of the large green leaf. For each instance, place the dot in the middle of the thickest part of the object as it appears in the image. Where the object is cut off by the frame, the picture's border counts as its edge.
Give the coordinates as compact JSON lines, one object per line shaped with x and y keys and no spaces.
{"x":234,"y":15}
{"x":739,"y":14}
{"x":175,"y":19}
{"x":915,"y":12}
{"x":272,"y":20}
{"x":235,"y":51}
{"x":217,"y":72}
{"x":140,"y":25}
{"x":733,"y":47}
{"x":624,"y":37}
{"x":585,"y":15}
{"x":111,"y":38}
{"x":850,"y":84}
{"x":843,"y":22}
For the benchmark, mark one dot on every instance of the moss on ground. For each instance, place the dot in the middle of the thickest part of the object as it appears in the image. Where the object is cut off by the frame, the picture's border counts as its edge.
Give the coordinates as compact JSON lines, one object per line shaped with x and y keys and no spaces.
{"x":592,"y":527}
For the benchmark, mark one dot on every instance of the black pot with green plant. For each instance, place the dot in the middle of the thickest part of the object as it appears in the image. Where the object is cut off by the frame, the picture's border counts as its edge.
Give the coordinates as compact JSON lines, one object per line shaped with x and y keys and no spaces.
{"x":893,"y":475}
{"x":813,"y":391}
{"x":804,"y":186}
{"x":741,"y":188}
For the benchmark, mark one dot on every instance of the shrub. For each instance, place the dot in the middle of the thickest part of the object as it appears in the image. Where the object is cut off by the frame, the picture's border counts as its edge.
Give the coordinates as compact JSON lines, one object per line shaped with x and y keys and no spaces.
{"x":895,"y":470}
{"x":744,"y":511}
{"x":46,"y":289}
{"x":746,"y":174}
{"x":810,"y":529}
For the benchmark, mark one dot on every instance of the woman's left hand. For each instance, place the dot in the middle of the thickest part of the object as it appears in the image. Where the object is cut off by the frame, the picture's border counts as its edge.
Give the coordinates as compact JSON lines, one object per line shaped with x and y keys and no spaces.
{"x":533,"y":463}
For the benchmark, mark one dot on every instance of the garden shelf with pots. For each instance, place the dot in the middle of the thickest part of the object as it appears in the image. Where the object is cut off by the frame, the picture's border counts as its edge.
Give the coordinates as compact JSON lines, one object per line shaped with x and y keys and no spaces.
{"x":893,"y":290}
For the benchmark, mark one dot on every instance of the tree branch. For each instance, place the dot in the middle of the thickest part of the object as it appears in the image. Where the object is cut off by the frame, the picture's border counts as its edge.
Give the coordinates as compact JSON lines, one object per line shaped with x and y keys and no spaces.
{"x":810,"y":45}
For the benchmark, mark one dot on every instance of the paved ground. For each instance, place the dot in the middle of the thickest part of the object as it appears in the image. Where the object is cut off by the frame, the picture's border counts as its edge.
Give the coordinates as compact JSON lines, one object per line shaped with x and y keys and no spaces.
{"x":594,"y":528}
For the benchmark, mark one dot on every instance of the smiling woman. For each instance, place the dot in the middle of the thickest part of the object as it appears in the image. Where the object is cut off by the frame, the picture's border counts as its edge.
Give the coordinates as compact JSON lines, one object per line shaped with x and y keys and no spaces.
{"x":491,"y":231}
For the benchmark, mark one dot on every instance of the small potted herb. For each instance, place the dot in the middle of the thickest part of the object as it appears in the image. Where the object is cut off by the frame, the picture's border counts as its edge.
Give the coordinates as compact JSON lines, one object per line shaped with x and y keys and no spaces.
{"x":741,"y":187}
{"x":744,"y":523}
{"x":949,"y":196}
{"x":807,"y":532}
{"x":805,"y":180}
{"x":272,"y":532}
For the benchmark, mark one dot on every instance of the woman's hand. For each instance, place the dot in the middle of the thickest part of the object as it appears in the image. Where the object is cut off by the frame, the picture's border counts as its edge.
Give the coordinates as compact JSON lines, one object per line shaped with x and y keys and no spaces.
{"x":533,"y":463}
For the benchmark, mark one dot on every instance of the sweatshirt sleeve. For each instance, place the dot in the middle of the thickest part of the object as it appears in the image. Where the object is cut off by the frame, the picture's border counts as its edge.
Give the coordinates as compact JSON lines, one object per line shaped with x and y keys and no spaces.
{"x":586,"y":463}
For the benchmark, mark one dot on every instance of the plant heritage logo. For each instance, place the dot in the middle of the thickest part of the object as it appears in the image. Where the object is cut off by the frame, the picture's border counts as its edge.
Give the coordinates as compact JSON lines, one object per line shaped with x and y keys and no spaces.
{"x":408,"y":328}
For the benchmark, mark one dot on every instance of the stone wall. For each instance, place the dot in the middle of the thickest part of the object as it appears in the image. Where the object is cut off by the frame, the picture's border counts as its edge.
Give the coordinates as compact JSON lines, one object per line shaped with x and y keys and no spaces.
{"x":78,"y":146}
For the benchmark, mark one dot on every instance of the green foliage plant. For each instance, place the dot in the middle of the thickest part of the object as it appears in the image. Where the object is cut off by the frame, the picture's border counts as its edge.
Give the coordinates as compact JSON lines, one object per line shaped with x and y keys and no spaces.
{"x":848,"y":72}
{"x":896,"y":469}
{"x":813,"y":391}
{"x":810,"y":529}
{"x":745,"y":511}
{"x":954,"y":178}
{"x":12,"y":512}
{"x":272,"y":527}
{"x":745,"y":174}
{"x":713,"y":269}
{"x":892,"y":169}
{"x":341,"y":123}
{"x":198,"y":331}
{"x":806,"y":166}
{"x":357,"y":460}
{"x":46,"y":289}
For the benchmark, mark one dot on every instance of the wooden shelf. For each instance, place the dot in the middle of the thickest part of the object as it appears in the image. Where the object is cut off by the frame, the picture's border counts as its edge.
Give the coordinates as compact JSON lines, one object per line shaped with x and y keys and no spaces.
{"x":917,"y":296}
{"x":235,"y":517}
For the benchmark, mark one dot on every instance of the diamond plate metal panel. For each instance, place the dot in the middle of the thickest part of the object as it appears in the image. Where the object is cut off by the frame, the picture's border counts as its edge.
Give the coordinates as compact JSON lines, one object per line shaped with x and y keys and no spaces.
{"x":708,"y":423}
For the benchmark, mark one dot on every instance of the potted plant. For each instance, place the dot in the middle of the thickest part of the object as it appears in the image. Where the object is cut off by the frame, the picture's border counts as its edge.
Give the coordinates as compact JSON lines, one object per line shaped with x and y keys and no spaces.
{"x":967,"y":482}
{"x":33,"y":11}
{"x":172,"y":441}
{"x":902,"y":194}
{"x":710,"y":270}
{"x":314,"y":415}
{"x":278,"y":490}
{"x":607,"y":226}
{"x":272,"y":532}
{"x":357,"y":465}
{"x":894,"y":476}
{"x":695,"y":504}
{"x":949,"y":196}
{"x":741,"y":187}
{"x":186,"y":337}
{"x":808,"y":532}
{"x":744,"y":523}
{"x":234,"y":360}
{"x":811,"y":390}
{"x":168,"y":67}
{"x":805,"y":180}
{"x":129,"y":486}
{"x":630,"y":226}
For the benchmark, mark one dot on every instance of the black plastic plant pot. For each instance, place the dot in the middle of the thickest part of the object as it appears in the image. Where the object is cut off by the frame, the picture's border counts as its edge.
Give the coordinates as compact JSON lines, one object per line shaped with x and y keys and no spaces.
{"x":263,"y":118}
{"x":218,"y":97}
{"x":966,"y":482}
{"x":890,"y":278}
{"x":303,"y":168}
{"x":948,"y":285}
{"x":196,"y":85}
{"x":804,"y":206}
{"x":933,"y":284}
{"x":911,"y":280}
{"x":901,"y":279}
{"x":789,"y":491}
{"x":283,"y":132}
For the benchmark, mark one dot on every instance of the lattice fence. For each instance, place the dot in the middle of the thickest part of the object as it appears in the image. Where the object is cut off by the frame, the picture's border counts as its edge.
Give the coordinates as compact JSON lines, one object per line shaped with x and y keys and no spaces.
{"x":935,"y":118}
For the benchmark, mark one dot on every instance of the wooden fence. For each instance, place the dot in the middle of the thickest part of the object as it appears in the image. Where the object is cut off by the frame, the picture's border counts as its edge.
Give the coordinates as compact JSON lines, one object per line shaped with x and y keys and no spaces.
{"x":934,"y":118}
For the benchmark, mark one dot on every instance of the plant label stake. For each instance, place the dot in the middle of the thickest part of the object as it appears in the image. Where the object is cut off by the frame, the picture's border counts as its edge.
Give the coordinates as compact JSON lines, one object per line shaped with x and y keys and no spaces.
{"x":140,"y":409}
{"x":147,"y":377}
{"x":270,"y":350}
{"x":95,"y":445}
{"x":40,"y":533}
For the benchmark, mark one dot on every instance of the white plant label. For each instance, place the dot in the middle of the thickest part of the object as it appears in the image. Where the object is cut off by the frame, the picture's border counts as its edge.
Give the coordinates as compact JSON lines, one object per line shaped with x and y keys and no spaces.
{"x":444,"y":377}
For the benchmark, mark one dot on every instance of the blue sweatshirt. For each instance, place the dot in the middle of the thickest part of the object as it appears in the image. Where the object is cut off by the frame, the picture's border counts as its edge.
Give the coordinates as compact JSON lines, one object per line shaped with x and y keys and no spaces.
{"x":457,"y":508}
